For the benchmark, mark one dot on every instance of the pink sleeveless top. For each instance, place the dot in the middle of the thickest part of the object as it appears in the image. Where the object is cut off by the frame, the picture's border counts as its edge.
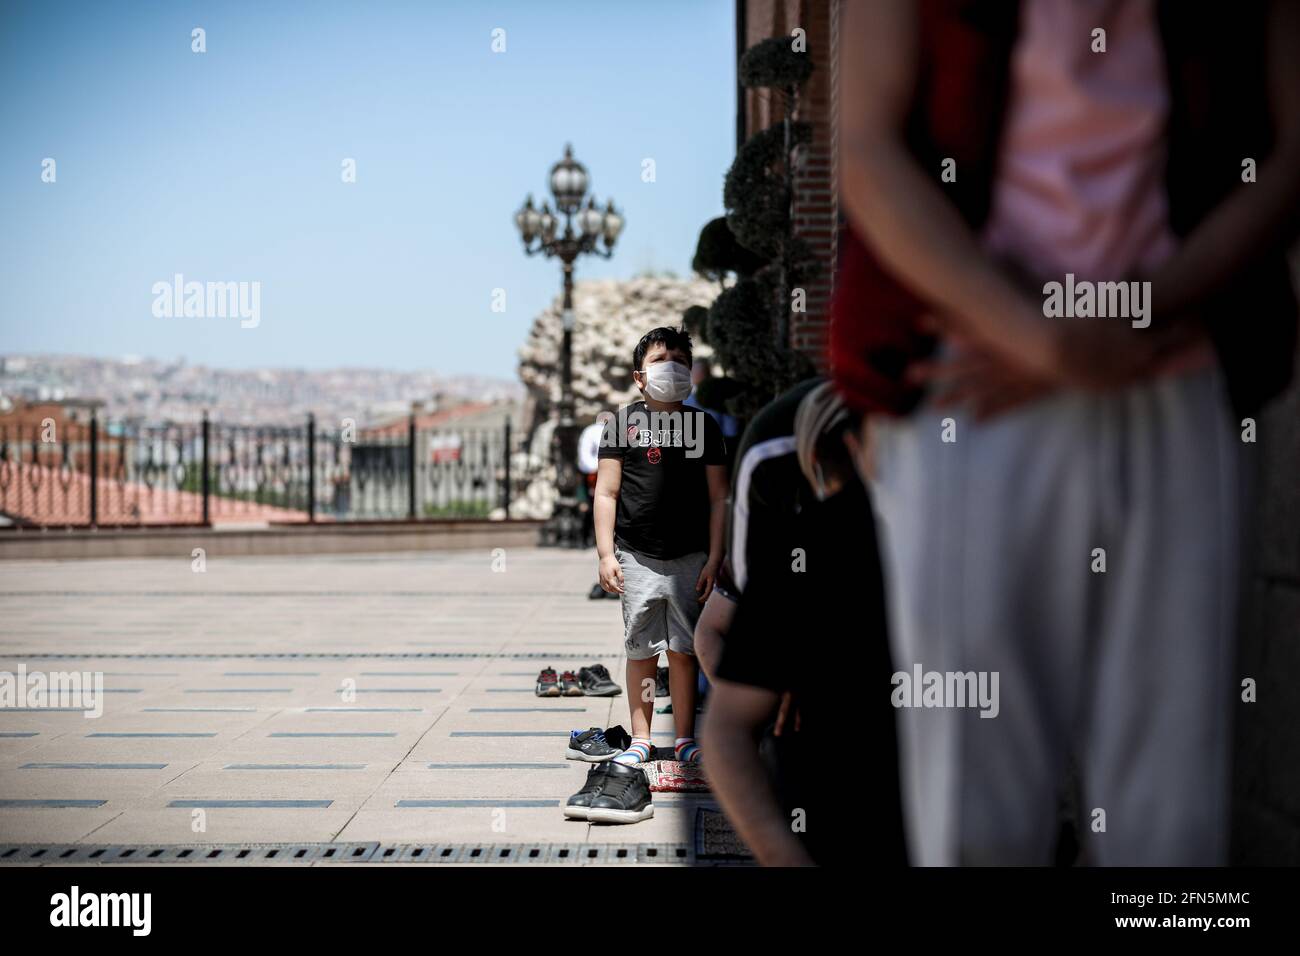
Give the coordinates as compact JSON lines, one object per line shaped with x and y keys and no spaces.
{"x":1079,"y":185}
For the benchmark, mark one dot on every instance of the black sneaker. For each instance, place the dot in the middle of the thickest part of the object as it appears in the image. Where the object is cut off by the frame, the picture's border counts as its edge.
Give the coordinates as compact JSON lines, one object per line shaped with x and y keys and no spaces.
{"x":624,"y":796}
{"x":596,"y":682}
{"x":591,"y":746}
{"x":569,"y":685}
{"x":576,"y":807}
{"x":596,"y":592}
{"x":661,"y":683}
{"x":548,"y":685}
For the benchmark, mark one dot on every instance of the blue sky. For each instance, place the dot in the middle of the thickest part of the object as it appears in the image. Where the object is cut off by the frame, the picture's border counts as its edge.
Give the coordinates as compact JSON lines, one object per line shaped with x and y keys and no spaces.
{"x":225,"y":166}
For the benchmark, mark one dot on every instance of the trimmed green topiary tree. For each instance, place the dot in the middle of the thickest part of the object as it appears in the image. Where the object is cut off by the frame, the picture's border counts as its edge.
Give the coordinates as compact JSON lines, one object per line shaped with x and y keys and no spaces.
{"x":694,"y":321}
{"x":757,"y":192}
{"x":774,"y":63}
{"x":718,"y":254}
{"x":748,"y":323}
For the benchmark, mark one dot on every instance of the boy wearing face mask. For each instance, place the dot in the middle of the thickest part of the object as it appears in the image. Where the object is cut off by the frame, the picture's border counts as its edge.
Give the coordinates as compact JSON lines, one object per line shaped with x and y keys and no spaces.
{"x":660,"y":510}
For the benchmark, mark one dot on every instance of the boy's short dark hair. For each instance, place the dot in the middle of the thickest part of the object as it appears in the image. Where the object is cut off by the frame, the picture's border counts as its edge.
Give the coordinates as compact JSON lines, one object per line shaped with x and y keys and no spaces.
{"x":671,"y":338}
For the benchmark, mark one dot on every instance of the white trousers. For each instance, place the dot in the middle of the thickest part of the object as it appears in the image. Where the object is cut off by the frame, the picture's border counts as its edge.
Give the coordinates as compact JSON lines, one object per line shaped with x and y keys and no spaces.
{"x":988,"y":549}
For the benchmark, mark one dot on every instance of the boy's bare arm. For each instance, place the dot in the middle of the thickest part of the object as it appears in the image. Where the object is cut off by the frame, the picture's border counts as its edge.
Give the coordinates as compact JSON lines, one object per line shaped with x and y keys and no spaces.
{"x":609,"y":479}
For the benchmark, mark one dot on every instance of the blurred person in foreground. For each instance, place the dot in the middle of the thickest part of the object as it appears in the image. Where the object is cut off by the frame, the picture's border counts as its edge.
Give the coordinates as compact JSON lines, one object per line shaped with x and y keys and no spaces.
{"x":1059,"y":498}
{"x":801,"y":568}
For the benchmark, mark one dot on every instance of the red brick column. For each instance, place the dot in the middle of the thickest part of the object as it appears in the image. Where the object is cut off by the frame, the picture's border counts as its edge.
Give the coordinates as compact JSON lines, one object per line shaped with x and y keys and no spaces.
{"x":816,"y":205}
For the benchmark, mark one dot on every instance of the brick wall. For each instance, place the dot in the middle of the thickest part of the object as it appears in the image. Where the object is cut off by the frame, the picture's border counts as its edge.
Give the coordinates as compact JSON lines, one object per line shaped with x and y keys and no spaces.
{"x":816,"y":205}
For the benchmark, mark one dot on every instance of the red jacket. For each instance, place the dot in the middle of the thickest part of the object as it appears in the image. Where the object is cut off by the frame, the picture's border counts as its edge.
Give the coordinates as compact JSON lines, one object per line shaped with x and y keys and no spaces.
{"x":1216,"y":65}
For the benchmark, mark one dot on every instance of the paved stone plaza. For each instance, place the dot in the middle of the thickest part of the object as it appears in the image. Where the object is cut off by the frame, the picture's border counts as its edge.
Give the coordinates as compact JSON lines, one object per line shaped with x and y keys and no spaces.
{"x":227,"y":692}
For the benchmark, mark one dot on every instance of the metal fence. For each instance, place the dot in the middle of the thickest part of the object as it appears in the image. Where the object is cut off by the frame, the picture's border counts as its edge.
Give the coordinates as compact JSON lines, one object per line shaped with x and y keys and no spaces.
{"x":121,"y":474}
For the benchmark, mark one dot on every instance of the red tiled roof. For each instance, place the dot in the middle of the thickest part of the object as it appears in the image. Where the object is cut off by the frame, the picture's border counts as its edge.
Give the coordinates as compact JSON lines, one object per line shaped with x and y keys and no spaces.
{"x":43,"y":495}
{"x":431,"y":420}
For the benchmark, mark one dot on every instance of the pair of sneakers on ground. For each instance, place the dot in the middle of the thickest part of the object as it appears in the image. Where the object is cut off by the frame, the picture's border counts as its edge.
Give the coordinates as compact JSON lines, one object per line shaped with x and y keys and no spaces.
{"x":593,"y":681}
{"x":616,"y":790}
{"x":614,"y":793}
{"x":595,"y":745}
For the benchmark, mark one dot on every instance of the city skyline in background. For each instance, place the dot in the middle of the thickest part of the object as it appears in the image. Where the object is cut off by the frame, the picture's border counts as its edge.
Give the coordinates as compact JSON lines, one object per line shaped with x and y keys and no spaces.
{"x":141,"y":388}
{"x":225,"y":166}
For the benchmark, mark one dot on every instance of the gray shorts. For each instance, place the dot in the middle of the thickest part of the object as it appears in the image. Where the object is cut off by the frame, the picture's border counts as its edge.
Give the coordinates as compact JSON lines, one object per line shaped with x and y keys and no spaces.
{"x":660,"y":605}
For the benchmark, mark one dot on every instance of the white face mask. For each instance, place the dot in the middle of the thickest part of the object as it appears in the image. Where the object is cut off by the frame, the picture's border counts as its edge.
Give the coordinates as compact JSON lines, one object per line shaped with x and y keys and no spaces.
{"x":668,"y":381}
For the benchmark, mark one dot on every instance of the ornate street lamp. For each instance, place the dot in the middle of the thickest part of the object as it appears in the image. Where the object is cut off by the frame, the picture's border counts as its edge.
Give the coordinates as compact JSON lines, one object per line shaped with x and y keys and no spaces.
{"x":587,"y":230}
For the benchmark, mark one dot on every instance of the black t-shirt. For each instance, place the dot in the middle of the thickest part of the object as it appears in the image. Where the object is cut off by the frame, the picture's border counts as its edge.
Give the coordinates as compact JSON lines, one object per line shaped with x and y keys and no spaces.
{"x":663,"y":504}
{"x":810,"y":618}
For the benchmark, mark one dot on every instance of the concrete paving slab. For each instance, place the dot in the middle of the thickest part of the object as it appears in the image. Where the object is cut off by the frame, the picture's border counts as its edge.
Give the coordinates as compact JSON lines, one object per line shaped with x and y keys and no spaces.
{"x":51,"y":826}
{"x":667,"y":826}
{"x":155,"y":749}
{"x":553,"y":720}
{"x":435,"y":748}
{"x":245,"y":666}
{"x":343,"y":746}
{"x":353,"y":718}
{"x":223,"y":826}
{"x":344,"y":787}
{"x":19,"y":743}
{"x":465,"y":825}
{"x":102,"y":781}
{"x":553,"y":785}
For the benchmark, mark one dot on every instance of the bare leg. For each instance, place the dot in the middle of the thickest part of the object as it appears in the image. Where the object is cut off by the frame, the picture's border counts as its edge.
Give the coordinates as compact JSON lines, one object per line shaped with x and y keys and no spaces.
{"x":683,"y":675}
{"x":641,"y":695}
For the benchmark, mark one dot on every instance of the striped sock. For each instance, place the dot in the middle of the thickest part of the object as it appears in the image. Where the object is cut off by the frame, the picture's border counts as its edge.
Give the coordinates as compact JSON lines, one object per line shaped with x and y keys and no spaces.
{"x":687,"y":750}
{"x":637,"y":752}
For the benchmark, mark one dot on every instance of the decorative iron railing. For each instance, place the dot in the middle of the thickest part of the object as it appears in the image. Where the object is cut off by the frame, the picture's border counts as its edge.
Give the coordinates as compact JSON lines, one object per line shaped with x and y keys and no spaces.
{"x":123,"y":474}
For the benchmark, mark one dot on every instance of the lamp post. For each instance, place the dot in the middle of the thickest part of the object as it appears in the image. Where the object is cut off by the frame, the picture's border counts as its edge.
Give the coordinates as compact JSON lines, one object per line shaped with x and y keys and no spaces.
{"x":595,"y":234}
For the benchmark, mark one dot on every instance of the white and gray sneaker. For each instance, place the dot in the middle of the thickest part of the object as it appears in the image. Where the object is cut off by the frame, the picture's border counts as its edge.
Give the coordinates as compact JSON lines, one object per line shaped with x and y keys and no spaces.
{"x":591,"y":746}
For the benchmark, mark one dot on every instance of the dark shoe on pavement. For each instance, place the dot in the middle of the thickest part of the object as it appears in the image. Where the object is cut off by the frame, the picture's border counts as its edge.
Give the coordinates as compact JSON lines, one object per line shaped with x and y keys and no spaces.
{"x":661,"y":682}
{"x":617,"y":737}
{"x":569,"y":685}
{"x":590,"y":745}
{"x":548,"y":685}
{"x":624,"y":796}
{"x":596,"y":592}
{"x":576,"y":807}
{"x":596,"y":682}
